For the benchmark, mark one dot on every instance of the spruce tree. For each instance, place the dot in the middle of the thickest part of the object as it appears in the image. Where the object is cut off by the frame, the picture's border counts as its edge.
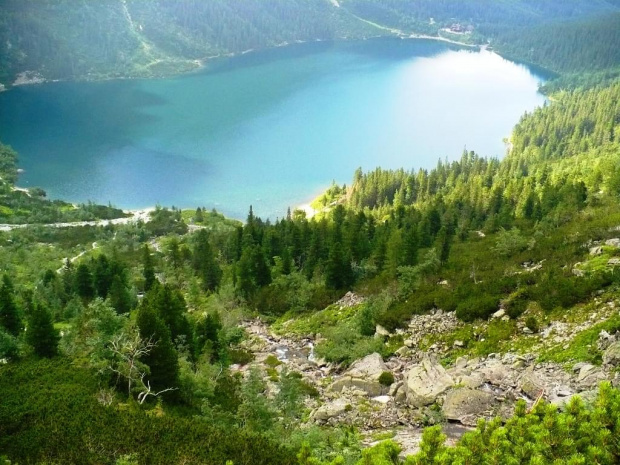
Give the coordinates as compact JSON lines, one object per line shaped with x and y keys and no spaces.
{"x":148,"y":269}
{"x":204,"y":262}
{"x":102,"y":276}
{"x":119,"y":295}
{"x":41,"y":334}
{"x":162,"y":360}
{"x":9,"y":313}
{"x":84,"y":282}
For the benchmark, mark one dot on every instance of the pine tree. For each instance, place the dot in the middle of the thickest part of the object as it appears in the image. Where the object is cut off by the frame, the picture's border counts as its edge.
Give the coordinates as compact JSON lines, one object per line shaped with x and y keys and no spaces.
{"x":394,"y":253}
{"x":207,"y":335}
{"x":148,"y":269}
{"x":162,"y":360}
{"x":119,"y":295}
{"x":9,"y":313}
{"x":84,"y":282}
{"x":102,"y":276}
{"x":204,"y":262}
{"x":41,"y":334}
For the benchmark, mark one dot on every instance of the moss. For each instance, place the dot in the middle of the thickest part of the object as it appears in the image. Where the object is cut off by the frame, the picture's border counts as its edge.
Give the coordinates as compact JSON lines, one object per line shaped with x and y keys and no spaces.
{"x":386,"y":378}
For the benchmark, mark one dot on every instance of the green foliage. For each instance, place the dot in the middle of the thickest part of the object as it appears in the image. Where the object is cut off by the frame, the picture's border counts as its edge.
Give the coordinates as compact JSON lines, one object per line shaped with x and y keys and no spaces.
{"x":344,"y":344}
{"x":162,"y":359}
{"x":9,"y":314}
{"x":50,"y":412}
{"x":579,"y":435}
{"x":386,"y":378}
{"x":40,"y":332}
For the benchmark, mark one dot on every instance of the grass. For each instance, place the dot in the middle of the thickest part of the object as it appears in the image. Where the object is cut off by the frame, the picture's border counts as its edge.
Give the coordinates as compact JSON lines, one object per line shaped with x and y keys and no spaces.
{"x":583,"y":347}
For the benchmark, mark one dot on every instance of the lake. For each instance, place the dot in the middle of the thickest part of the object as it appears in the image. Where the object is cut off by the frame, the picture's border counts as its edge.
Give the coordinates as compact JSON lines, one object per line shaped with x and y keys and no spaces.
{"x":271,"y":128}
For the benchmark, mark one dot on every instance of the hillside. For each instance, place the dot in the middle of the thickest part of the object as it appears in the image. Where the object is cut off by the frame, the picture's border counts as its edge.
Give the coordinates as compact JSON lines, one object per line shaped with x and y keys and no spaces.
{"x":53,"y":39}
{"x":313,"y":340}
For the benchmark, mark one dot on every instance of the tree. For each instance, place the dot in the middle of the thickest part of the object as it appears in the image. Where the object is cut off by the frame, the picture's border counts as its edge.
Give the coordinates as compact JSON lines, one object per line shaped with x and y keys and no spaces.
{"x":102,"y":276}
{"x":84,"y":282}
{"x":41,"y":334}
{"x":162,"y":359}
{"x":148,"y":269}
{"x":128,"y":351}
{"x":169,"y":305}
{"x":207,"y":335}
{"x":204,"y":262}
{"x":120,"y":296}
{"x":9,"y":313}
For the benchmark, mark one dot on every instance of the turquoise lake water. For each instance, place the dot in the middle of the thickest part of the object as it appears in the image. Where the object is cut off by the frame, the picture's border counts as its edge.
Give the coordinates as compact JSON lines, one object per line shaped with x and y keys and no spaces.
{"x":271,"y":129}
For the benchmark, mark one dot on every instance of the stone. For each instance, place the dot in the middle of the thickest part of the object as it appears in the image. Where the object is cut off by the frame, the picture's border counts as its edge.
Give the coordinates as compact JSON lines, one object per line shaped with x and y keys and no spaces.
{"x":464,"y":402}
{"x":611,"y":356}
{"x":330,"y":410}
{"x":500,"y":313}
{"x":426,"y":381}
{"x":585,"y":369}
{"x":363,"y":375}
{"x":403,"y":351}
{"x":596,"y":250}
{"x":381,"y":331}
{"x":615,"y":242}
{"x":409,"y":343}
{"x":613,"y":262}
{"x":531,"y":384}
{"x":460,"y":363}
{"x":382,"y":399}
{"x":458,"y":344}
{"x":497,"y":373}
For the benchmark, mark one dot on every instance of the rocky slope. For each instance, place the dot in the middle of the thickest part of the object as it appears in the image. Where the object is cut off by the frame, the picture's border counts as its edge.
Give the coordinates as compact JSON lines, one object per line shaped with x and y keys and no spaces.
{"x":421,"y":390}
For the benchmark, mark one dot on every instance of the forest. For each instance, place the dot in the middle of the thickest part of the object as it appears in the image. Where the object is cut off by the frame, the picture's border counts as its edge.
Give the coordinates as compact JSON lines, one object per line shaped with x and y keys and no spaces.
{"x":138,"y":38}
{"x":159,"y":339}
{"x":141,"y":328}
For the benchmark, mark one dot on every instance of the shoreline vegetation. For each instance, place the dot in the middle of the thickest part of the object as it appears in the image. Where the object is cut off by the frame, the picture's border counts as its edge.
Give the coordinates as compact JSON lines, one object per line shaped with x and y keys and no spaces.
{"x":27,"y":78}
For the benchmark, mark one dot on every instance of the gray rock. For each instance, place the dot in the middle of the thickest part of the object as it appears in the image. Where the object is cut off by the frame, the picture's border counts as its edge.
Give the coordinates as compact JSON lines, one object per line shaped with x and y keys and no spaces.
{"x":465,"y":402}
{"x":381,"y":331}
{"x":500,"y":313}
{"x":460,"y":363}
{"x":596,"y":250}
{"x":531,"y":384}
{"x":496,"y":373}
{"x":611,"y":356}
{"x":363,"y":375}
{"x":615,"y":242}
{"x":330,"y":410}
{"x":426,"y":381}
{"x":584,"y":370}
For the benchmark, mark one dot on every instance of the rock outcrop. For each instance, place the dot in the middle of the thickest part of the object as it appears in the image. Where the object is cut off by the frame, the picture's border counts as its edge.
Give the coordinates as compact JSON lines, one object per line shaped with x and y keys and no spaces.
{"x":363,"y":375}
{"x":467,"y":405}
{"x":611,"y":356}
{"x":426,"y":381}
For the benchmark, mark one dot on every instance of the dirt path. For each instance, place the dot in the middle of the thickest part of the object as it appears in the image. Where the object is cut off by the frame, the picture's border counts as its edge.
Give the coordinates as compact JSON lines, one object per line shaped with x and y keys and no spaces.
{"x":136,"y":215}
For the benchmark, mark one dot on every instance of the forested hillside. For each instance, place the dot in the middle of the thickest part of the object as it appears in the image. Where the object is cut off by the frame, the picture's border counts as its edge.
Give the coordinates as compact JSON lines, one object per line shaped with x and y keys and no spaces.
{"x":116,"y":38}
{"x":53,"y":39}
{"x":151,"y":325}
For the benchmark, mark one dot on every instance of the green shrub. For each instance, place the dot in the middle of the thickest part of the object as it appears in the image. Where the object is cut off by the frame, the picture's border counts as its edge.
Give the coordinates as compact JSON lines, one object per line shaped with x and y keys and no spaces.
{"x":532,"y":324}
{"x":386,"y":378}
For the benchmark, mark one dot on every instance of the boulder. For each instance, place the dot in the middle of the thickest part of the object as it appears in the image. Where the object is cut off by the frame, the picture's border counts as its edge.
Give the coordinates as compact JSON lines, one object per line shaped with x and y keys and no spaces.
{"x":330,"y":410}
{"x":465,"y":402}
{"x":615,"y":242}
{"x":531,"y":384}
{"x":363,"y":375}
{"x":381,"y":331}
{"x":426,"y":381}
{"x":498,"y":374}
{"x":611,"y":356}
